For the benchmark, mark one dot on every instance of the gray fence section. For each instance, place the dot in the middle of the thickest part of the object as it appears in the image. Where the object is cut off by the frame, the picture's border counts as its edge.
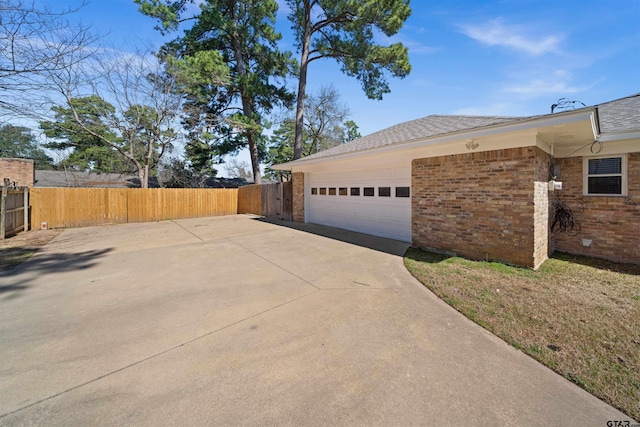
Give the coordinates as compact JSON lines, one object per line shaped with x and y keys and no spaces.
{"x":14,"y":211}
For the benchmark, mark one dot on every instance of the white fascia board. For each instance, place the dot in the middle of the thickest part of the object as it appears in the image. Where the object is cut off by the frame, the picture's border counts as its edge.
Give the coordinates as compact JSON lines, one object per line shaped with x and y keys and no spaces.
{"x":620,"y":136}
{"x":523,"y":125}
{"x":608,"y":147}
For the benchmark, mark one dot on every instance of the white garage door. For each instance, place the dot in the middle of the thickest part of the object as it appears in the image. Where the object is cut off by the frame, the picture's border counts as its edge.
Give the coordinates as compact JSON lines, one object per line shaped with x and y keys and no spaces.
{"x":370,"y":201}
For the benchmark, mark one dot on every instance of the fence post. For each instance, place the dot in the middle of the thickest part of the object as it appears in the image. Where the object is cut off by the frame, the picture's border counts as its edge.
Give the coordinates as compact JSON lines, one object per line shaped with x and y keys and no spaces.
{"x":3,"y":212}
{"x":26,"y":209}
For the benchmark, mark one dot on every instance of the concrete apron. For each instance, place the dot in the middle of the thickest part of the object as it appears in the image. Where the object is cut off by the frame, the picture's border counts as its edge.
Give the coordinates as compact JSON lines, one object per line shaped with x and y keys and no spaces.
{"x":236,"y":320}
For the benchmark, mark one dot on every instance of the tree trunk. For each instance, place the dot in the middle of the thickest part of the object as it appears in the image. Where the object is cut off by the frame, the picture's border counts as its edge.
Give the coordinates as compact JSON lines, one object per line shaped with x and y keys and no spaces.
{"x":302,"y":83}
{"x":143,"y":171}
{"x":247,"y":106}
{"x":255,"y":161}
{"x":143,"y":178}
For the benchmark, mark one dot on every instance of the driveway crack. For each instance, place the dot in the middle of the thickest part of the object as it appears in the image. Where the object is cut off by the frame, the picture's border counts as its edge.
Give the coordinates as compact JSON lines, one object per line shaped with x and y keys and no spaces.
{"x":187,"y":230}
{"x":273,"y":263}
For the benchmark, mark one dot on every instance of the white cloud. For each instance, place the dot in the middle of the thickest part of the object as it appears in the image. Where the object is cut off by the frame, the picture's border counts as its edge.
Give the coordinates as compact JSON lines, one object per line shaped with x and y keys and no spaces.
{"x":559,"y":82}
{"x":494,"y":109}
{"x":413,"y":46}
{"x":496,"y":33}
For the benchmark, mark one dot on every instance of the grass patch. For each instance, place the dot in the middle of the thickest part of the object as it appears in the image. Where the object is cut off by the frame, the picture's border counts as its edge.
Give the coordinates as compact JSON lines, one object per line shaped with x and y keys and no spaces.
{"x":19,"y":248}
{"x":579,"y":316}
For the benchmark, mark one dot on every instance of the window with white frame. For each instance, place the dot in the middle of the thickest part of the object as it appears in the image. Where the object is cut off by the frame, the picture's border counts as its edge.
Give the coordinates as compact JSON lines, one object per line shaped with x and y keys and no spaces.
{"x":605,"y":176}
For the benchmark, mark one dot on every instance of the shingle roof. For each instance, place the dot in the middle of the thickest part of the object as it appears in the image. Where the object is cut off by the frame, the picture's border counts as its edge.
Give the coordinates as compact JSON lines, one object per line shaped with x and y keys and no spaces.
{"x":47,"y":178}
{"x":620,"y":115}
{"x":425,"y":127}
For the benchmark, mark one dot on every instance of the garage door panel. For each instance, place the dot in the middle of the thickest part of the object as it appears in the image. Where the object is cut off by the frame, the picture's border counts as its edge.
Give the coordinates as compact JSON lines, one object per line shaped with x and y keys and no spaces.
{"x":382,"y":216}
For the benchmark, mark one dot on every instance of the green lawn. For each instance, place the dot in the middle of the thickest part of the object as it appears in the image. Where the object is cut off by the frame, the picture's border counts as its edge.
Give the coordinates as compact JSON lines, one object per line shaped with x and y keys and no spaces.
{"x":579,"y":316}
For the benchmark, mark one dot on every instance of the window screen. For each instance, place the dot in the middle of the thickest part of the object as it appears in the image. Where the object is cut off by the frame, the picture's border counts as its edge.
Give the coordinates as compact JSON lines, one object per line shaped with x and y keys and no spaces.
{"x":605,"y":185}
{"x":605,"y":176}
{"x":609,"y":165}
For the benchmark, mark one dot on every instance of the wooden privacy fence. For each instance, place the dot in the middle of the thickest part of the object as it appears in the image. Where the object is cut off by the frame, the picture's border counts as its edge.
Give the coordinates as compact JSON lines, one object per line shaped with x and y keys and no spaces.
{"x":270,"y":200}
{"x":14,"y":211}
{"x":77,"y":207}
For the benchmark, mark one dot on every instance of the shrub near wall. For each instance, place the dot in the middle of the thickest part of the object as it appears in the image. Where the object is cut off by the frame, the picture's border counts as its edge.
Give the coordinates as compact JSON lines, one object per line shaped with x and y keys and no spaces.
{"x":611,"y":223}
{"x":483,"y":205}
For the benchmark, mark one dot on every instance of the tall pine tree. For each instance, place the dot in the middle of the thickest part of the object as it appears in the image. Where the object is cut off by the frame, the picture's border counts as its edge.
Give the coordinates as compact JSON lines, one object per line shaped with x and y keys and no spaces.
{"x":345,"y":30}
{"x":242,"y":31}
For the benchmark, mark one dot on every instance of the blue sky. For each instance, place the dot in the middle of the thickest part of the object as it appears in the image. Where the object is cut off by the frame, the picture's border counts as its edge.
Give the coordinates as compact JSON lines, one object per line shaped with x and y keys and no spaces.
{"x":509,"y":57}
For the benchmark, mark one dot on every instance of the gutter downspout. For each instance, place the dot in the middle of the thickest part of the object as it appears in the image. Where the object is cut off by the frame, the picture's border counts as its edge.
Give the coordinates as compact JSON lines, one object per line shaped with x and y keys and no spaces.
{"x":595,"y":123}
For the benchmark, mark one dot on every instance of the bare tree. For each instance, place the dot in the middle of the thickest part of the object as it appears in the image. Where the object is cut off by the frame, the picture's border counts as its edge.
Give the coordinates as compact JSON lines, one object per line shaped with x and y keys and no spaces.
{"x":128,"y":103}
{"x":239,"y":169}
{"x":34,"y":42}
{"x":179,"y":173}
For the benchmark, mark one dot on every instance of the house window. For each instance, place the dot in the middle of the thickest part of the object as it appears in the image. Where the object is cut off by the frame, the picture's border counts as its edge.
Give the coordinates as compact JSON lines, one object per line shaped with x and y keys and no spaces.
{"x":605,"y":176}
{"x":368,"y":191}
{"x":384,"y":191}
{"x":314,"y":190}
{"x":403,"y":192}
{"x":332,"y":191}
{"x":342,"y":191}
{"x":323,"y":191}
{"x":355,"y":191}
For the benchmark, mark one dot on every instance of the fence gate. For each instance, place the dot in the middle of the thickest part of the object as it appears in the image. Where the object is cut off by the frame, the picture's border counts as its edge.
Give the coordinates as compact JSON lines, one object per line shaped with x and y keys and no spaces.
{"x":269,"y":200}
{"x":287,"y":200}
{"x":14,"y":211}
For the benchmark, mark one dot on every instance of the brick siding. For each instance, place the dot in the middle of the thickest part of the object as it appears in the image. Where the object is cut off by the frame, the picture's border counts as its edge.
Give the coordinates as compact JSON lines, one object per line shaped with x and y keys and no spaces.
{"x":611,"y":223}
{"x":298,"y":196}
{"x":487,"y":205}
{"x":20,"y":171}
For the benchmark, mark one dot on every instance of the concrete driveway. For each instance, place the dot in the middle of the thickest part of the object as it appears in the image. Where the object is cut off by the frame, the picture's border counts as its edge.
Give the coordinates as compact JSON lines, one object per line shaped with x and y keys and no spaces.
{"x":234,"y":320}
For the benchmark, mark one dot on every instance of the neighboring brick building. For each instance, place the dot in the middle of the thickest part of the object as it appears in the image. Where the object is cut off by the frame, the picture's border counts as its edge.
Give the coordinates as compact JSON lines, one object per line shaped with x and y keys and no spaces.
{"x":20,"y":172}
{"x":482,"y":187}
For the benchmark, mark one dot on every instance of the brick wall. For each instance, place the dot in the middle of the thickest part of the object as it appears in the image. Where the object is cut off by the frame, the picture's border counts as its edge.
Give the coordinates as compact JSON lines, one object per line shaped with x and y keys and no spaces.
{"x":298,"y":196}
{"x":482,"y":205}
{"x":22,"y":171}
{"x":611,"y":223}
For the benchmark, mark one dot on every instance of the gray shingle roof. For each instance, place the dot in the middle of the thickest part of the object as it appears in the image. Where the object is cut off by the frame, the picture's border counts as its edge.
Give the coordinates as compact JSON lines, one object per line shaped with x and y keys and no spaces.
{"x":425,"y":127}
{"x":620,"y":115}
{"x":47,"y":178}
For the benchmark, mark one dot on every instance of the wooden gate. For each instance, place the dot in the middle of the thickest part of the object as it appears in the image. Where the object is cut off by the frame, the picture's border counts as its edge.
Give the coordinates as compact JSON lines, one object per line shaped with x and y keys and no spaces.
{"x":287,"y":201}
{"x":14,"y":211}
{"x":269,"y":200}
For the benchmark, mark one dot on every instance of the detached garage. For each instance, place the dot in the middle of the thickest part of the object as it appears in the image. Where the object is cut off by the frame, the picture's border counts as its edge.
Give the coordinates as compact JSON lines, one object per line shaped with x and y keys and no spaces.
{"x":483,"y":187}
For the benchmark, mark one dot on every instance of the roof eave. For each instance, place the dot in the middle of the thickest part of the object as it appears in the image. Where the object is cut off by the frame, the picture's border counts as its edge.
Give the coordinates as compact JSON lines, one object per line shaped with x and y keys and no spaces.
{"x":587,"y":113}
